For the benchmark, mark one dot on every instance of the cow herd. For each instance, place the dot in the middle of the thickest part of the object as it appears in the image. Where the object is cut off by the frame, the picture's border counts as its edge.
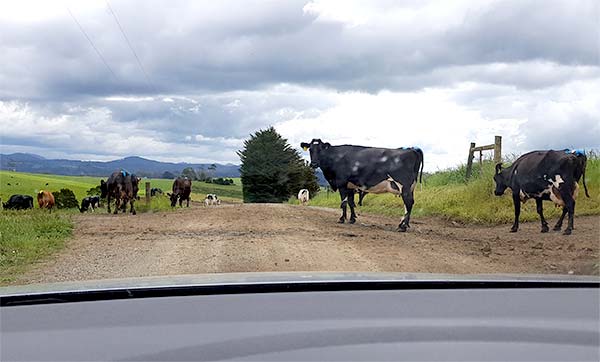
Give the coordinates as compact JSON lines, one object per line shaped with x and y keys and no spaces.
{"x":540,"y":175}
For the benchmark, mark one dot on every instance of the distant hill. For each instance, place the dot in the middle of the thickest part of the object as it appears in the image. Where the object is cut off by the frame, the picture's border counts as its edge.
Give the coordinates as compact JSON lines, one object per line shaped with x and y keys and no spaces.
{"x":25,"y":162}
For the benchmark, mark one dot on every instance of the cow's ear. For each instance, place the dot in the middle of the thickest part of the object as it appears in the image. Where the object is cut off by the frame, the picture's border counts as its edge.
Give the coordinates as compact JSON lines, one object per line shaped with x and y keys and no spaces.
{"x":498,"y":167}
{"x":305,"y":146}
{"x":326,"y":145}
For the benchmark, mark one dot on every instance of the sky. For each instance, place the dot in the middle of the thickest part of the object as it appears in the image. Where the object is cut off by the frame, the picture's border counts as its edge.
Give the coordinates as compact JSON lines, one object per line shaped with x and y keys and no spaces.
{"x":191,"y":80}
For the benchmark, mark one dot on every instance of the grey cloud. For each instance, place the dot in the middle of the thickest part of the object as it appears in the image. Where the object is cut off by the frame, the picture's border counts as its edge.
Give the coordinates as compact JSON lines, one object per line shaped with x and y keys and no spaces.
{"x":241,"y":45}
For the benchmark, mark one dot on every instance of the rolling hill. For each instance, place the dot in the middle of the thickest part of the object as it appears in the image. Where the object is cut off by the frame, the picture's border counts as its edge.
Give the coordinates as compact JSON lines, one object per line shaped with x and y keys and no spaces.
{"x":25,"y":162}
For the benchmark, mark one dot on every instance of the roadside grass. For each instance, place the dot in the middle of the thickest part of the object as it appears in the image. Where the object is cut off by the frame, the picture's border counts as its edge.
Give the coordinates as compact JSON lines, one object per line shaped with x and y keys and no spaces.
{"x":28,"y":236}
{"x":445,"y":194}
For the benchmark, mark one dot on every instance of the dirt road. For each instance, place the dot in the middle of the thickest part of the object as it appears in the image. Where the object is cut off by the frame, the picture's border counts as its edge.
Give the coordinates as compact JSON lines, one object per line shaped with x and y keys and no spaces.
{"x":273,"y":237}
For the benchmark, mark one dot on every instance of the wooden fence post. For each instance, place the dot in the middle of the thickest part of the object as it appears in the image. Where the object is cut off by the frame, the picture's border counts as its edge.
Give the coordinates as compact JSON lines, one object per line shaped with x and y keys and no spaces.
{"x":147,"y":192}
{"x":497,"y":149}
{"x":470,"y":161}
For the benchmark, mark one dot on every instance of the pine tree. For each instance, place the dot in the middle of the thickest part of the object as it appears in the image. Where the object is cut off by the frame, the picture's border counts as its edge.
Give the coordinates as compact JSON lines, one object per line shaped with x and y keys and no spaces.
{"x":271,"y":170}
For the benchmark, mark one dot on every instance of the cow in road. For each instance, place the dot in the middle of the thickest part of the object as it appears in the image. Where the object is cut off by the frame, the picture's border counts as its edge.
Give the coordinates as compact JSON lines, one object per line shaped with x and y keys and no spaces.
{"x":350,"y":168}
{"x":212,"y":199}
{"x":45,"y":200}
{"x":303,"y":196}
{"x":182,"y":188}
{"x":123,"y":187}
{"x":544,"y":175}
{"x":19,"y":202}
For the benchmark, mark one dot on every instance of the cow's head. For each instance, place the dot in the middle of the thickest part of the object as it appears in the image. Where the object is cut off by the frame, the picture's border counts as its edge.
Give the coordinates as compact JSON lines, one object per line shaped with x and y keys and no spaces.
{"x":501,"y":184}
{"x":103,"y":189}
{"x":173,"y":198}
{"x":315,"y":146}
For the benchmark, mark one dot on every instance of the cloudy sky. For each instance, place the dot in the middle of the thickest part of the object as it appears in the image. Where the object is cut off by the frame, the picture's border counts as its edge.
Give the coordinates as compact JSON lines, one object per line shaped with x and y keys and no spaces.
{"x":189,"y":81}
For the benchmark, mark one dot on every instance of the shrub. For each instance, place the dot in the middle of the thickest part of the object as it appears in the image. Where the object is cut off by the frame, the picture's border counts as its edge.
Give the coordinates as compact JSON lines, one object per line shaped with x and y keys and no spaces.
{"x":65,"y":199}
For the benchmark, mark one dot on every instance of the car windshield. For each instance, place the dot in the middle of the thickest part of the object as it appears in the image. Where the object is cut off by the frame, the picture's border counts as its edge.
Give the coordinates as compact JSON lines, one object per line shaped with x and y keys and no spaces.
{"x":167,"y":138}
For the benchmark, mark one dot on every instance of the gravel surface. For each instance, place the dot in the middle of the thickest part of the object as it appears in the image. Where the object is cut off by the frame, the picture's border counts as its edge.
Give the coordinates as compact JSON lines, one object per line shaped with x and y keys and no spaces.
{"x":281,"y":237}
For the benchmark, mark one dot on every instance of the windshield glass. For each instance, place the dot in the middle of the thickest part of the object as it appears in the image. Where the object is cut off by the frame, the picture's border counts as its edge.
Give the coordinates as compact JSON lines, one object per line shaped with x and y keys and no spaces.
{"x":166,"y":138}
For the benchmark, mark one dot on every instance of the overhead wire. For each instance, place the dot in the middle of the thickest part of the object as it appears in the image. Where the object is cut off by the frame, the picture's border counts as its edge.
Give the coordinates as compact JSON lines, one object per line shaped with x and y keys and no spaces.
{"x":137,"y":58}
{"x":92,"y":44}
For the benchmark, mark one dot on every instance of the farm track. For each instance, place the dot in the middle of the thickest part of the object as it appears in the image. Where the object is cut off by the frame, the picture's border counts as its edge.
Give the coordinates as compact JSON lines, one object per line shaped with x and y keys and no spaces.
{"x":280,"y":237}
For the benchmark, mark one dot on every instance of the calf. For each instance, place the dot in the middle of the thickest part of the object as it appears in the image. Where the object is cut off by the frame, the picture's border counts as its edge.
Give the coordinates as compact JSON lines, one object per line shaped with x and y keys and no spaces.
{"x":182,"y":188}
{"x":544,"y":175}
{"x":45,"y":200}
{"x":88,"y":203}
{"x":19,"y":202}
{"x":303,"y":196}
{"x":349,"y":168}
{"x":211,"y":199}
{"x":155,"y":191}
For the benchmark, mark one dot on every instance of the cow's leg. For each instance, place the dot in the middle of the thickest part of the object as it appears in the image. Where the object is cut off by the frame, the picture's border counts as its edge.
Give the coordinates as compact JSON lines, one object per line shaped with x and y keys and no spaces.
{"x":188,"y":202}
{"x":540,"y":211}
{"x":566,"y":194}
{"x":559,"y":223}
{"x":344,"y":197}
{"x":351,"y":203}
{"x":409,"y":201}
{"x":517,"y":202}
{"x":132,"y":209}
{"x":117,"y":205}
{"x":108,"y":203}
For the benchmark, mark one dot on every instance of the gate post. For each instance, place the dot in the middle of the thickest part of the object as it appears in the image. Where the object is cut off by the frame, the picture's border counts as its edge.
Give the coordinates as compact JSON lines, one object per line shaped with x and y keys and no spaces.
{"x":497,"y":149}
{"x":470,"y":161}
{"x":147,"y":192}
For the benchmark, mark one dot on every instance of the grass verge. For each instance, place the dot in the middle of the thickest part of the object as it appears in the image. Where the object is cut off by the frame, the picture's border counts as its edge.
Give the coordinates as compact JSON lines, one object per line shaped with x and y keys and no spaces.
{"x":28,"y":236}
{"x":445,"y":194}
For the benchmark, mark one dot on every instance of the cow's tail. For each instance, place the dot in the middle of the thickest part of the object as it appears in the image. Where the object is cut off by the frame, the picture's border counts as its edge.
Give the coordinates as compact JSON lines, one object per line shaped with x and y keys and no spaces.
{"x":421,"y":161}
{"x":584,"y":185}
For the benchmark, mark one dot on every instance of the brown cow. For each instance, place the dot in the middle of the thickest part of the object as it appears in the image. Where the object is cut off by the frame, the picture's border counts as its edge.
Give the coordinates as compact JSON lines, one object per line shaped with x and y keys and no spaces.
{"x":45,"y":200}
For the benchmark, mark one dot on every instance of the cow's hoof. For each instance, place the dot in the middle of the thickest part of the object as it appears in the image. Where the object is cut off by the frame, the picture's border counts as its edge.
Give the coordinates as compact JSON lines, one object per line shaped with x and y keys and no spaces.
{"x":352,"y":221}
{"x":402,"y":228}
{"x":341,"y":221}
{"x":545,"y":229}
{"x":557,"y":228}
{"x":567,"y":232}
{"x":134,"y":213}
{"x":513,"y":230}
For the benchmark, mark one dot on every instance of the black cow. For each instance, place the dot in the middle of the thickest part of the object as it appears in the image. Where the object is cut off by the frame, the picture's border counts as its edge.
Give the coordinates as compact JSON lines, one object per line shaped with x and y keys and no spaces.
{"x":155,"y":191}
{"x":544,"y":175}
{"x":372,"y":170}
{"x":123,"y":187}
{"x":19,"y":202}
{"x":182,"y":188}
{"x":89,"y":203}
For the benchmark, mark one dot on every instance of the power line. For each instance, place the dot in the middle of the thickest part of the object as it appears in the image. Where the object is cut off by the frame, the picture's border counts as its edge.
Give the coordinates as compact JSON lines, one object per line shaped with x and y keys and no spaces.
{"x":92,"y":44}
{"x":139,"y":62}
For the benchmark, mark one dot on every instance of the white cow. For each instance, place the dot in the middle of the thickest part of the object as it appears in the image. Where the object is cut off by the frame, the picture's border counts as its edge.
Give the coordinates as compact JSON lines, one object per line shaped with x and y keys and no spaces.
{"x":303,"y":196}
{"x":211,"y":199}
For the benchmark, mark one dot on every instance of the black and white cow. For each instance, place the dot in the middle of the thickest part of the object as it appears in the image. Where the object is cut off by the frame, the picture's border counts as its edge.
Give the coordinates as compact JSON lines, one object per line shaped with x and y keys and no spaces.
{"x":212,"y":199}
{"x":544,"y":175}
{"x":349,"y":168}
{"x":89,"y":203}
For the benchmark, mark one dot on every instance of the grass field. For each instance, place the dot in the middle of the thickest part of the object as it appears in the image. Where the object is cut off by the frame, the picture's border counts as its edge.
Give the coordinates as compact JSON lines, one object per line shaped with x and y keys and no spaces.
{"x":31,"y":183}
{"x":445,"y":194}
